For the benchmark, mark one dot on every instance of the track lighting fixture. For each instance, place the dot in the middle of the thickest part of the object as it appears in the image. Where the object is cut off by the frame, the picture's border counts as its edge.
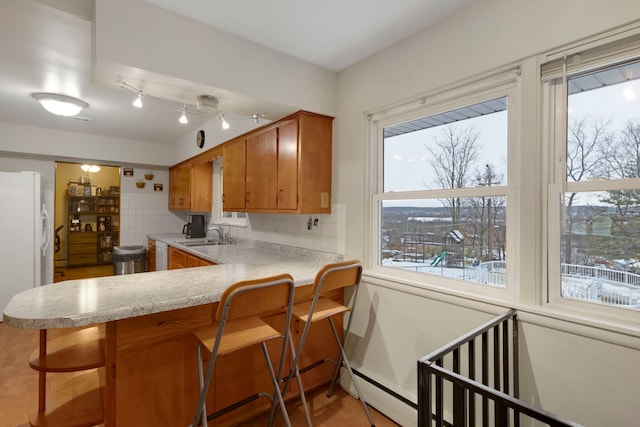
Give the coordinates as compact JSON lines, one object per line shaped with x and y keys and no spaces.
{"x":206,"y":105}
{"x":225,"y":124}
{"x":138,"y":101}
{"x":183,"y":117}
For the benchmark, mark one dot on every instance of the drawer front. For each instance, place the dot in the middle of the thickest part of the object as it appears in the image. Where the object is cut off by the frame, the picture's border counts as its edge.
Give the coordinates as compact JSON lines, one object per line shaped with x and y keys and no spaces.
{"x":82,"y":248}
{"x":81,"y":259}
{"x":83,"y":238}
{"x":145,"y":330}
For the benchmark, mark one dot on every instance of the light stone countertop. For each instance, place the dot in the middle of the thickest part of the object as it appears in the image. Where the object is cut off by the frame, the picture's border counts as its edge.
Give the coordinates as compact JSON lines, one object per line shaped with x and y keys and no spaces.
{"x":84,"y":302}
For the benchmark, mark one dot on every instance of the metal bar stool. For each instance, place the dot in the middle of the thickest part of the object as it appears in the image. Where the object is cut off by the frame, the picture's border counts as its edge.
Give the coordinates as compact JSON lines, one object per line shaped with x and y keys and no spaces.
{"x":330,"y":277}
{"x":238,"y":325}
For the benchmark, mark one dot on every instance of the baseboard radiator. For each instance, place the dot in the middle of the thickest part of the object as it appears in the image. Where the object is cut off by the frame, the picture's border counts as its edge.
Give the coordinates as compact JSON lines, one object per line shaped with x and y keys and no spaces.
{"x":473,"y":381}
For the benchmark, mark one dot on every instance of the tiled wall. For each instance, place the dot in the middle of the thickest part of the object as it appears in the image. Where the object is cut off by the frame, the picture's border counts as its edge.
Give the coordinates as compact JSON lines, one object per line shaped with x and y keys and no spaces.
{"x":144,"y":214}
{"x":145,"y":210}
{"x":326,"y":234}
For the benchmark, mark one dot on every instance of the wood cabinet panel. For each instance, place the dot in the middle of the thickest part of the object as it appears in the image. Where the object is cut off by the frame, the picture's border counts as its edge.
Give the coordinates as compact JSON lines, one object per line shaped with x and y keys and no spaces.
{"x":153,"y":374}
{"x":288,"y":166}
{"x":181,"y":259}
{"x":190,"y":186}
{"x":179,"y":187}
{"x":233,"y":175}
{"x":293,"y":154}
{"x":145,"y":330}
{"x":201,"y":179}
{"x":157,"y":385}
{"x":151,"y":255}
{"x":262,"y":170}
{"x":177,"y":258}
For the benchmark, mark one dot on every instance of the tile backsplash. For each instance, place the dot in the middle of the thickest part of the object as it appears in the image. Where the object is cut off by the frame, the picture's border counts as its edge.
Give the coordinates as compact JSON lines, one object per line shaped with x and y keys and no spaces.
{"x":322,"y":232}
{"x":145,"y":211}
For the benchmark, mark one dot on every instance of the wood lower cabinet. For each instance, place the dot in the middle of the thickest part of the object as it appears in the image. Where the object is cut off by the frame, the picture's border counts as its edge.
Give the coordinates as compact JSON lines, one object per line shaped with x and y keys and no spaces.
{"x":154,"y":367}
{"x":151,"y":255}
{"x":82,"y":248}
{"x":152,"y":372}
{"x":142,"y":371}
{"x":182,"y":259}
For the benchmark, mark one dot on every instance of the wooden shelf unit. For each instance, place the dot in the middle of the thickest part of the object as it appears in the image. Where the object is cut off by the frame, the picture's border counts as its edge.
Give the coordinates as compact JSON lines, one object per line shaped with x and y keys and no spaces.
{"x":79,"y":400}
{"x":95,"y":245}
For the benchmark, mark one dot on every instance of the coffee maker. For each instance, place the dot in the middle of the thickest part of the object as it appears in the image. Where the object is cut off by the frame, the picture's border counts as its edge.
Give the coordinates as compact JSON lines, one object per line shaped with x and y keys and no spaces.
{"x":195,"y":227}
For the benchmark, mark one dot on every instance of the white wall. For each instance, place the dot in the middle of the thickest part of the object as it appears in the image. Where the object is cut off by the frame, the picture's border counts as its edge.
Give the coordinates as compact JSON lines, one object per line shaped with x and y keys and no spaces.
{"x":204,"y":55}
{"x":482,"y":36}
{"x":27,"y":140}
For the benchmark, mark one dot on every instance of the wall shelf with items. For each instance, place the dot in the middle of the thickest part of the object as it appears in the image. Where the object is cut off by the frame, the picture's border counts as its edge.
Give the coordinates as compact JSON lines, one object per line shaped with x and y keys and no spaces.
{"x":93,"y":226}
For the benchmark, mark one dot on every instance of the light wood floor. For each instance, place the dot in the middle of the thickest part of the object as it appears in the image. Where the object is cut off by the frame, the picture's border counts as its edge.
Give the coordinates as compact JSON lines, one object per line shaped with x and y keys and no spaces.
{"x":19,"y":383}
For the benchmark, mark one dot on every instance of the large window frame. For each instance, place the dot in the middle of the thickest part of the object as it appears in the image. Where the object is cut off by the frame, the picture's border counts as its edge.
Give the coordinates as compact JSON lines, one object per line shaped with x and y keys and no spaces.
{"x":497,"y":84}
{"x":555,"y":75}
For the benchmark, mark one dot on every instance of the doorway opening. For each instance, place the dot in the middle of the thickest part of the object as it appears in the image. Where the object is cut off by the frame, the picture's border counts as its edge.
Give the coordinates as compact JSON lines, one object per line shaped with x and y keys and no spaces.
{"x":86,"y":220}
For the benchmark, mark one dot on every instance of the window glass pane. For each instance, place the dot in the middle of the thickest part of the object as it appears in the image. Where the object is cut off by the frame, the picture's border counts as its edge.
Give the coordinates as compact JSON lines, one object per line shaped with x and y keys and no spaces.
{"x":603,"y":129}
{"x":448,"y":150}
{"x":462,"y":238}
{"x":600,"y":247}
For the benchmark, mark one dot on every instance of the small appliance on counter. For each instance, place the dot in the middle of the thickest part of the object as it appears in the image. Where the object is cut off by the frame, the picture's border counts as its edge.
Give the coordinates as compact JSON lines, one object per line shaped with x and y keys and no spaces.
{"x":195,"y":227}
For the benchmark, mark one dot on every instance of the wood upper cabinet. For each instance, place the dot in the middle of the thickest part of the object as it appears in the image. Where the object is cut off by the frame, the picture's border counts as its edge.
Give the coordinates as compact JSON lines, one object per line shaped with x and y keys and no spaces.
{"x":190,"y":185}
{"x":285,"y":167}
{"x":288,"y":165}
{"x":262,"y":169}
{"x":233,"y":175}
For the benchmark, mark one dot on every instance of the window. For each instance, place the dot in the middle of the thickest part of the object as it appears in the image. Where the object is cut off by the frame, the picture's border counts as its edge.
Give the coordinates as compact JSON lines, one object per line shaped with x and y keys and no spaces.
{"x":443,"y":190}
{"x":595,"y":193}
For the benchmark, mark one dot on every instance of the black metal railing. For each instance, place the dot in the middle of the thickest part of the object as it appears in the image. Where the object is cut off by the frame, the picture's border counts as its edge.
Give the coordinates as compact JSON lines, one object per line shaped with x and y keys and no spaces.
{"x":473,"y":381}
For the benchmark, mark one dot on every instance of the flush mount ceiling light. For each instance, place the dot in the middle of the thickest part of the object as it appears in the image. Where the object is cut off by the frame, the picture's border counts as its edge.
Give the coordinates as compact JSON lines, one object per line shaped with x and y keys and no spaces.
{"x":206,"y":105}
{"x":60,"y":105}
{"x":90,"y":168}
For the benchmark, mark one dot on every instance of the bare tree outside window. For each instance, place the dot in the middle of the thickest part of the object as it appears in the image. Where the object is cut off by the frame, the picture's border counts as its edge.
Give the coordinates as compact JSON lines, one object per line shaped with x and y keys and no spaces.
{"x":453,"y":158}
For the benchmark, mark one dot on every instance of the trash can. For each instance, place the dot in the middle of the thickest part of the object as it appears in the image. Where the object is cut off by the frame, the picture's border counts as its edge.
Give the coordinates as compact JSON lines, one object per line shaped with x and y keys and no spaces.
{"x":129,"y":259}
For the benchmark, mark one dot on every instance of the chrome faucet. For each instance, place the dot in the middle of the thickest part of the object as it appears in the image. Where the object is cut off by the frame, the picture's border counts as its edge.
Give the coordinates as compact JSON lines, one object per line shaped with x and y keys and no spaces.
{"x":222,"y":238}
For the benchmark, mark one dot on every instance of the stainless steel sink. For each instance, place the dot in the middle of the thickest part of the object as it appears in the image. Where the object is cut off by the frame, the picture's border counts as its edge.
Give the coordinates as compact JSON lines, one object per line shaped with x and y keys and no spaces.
{"x":200,"y":242}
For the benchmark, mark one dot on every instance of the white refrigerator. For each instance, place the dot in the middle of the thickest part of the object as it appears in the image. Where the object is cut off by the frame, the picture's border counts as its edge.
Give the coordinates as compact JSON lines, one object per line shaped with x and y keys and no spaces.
{"x":25,"y":234}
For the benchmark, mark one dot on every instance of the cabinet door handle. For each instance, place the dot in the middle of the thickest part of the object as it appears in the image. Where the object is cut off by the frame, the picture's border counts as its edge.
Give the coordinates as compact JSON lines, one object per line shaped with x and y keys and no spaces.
{"x":168,"y":322}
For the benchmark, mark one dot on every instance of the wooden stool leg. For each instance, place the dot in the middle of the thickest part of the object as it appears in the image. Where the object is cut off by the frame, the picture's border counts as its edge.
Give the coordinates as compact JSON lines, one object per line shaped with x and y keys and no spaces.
{"x":42,"y":375}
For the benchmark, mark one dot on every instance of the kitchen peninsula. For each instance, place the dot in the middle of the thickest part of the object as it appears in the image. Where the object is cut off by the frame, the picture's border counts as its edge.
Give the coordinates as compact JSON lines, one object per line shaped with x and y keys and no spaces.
{"x":148,"y":369}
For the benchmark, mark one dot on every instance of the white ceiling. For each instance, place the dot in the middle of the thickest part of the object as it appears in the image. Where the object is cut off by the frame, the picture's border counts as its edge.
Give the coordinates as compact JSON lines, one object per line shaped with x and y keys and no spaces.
{"x":46,"y":46}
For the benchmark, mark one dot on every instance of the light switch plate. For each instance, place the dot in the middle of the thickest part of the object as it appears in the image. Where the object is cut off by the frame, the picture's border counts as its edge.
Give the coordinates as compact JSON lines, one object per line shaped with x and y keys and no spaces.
{"x":324,"y":199}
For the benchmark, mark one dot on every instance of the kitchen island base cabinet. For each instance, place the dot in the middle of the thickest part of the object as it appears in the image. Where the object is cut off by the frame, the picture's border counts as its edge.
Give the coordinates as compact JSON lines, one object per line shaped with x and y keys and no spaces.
{"x":152,"y":373}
